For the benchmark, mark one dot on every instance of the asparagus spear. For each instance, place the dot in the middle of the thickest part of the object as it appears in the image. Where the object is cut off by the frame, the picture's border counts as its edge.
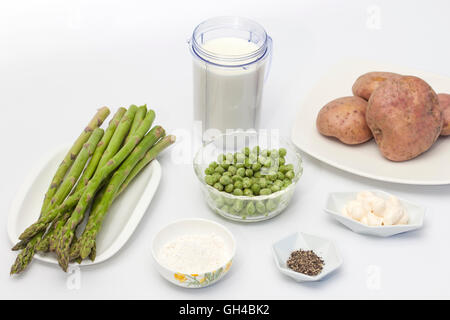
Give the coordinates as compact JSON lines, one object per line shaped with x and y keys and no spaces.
{"x":149,"y":157}
{"x":140,"y":115}
{"x":103,"y":144}
{"x":119,"y":136}
{"x":72,"y":200}
{"x":66,"y":235}
{"x":26,"y":255}
{"x":96,"y":122}
{"x":72,"y":176}
{"x":120,"y":180}
{"x":106,"y":200}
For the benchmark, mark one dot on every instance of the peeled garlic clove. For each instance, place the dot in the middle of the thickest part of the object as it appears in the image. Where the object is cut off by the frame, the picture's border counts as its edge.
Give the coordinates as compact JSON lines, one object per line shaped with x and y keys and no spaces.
{"x":373,"y":220}
{"x":393,"y":215}
{"x":364,"y":220}
{"x":358,"y":212}
{"x":378,"y":206}
{"x":363,"y":195}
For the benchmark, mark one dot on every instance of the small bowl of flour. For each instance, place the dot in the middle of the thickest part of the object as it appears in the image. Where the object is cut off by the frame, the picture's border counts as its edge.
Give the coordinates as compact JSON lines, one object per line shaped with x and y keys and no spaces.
{"x":194,"y":253}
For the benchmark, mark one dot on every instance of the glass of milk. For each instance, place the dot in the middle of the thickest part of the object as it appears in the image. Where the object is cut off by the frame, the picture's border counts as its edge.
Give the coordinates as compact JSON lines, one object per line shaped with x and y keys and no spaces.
{"x":231,"y":57}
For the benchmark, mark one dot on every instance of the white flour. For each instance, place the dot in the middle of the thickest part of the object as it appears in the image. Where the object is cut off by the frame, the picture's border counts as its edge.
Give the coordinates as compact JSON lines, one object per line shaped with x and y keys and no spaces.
{"x":195,"y":254}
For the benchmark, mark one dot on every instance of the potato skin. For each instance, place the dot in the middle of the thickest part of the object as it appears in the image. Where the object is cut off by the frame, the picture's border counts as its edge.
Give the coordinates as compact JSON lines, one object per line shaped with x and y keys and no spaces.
{"x":345,"y":119}
{"x":444,"y":104}
{"x":404,"y":117}
{"x":368,"y":82}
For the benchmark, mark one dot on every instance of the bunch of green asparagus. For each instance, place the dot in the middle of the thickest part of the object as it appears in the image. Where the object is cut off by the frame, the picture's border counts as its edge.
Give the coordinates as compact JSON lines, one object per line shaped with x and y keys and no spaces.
{"x":97,"y":169}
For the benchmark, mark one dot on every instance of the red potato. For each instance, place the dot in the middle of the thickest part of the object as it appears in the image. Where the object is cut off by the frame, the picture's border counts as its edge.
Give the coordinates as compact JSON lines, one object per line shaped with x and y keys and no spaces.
{"x":367,"y":83}
{"x":444,"y":103}
{"x":405,"y":117}
{"x":345,"y":119}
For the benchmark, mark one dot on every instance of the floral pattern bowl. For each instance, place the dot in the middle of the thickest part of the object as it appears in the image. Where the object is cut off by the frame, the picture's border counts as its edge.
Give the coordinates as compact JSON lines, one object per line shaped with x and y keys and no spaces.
{"x":197,"y":227}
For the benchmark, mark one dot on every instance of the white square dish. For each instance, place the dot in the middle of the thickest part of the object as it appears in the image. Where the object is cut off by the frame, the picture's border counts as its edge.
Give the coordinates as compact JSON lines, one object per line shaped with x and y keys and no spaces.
{"x":324,"y":248}
{"x":337,"y":200}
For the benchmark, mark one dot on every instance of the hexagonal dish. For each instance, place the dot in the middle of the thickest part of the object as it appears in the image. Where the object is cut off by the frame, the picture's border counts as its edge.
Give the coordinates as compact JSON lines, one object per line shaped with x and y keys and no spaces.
{"x":324,"y":248}
{"x":337,"y":200}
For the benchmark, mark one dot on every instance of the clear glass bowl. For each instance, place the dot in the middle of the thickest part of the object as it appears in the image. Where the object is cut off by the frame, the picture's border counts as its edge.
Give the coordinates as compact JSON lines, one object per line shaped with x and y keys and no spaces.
{"x":236,"y":207}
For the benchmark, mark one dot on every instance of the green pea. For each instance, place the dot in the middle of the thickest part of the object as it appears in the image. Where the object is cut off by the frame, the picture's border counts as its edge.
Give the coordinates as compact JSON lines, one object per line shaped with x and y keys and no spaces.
{"x":209,"y":180}
{"x":219,"y":202}
{"x":238,"y":192}
{"x":238,"y":185}
{"x":226,"y":173}
{"x":281,"y":161}
{"x":213,"y":165}
{"x":289,"y":167}
{"x":221,"y":158}
{"x":249,"y":172}
{"x":236,"y":178}
{"x":238,"y":205}
{"x":282,"y":152}
{"x":279,"y":183}
{"x":232,"y":170}
{"x":229,"y":188}
{"x":262,"y":182}
{"x":209,"y":171}
{"x":225,"y":180}
{"x":240,"y":157}
{"x":246,"y":182}
{"x":229,"y":158}
{"x":225,"y":166}
{"x":280,"y":176}
{"x":268,"y":163}
{"x":275,"y":188}
{"x":265,"y":192}
{"x":219,"y":169}
{"x":250,"y":208}
{"x":216,"y":176}
{"x":265,"y":153}
{"x":218,"y":186}
{"x":290,"y":174}
{"x":256,"y":188}
{"x":246,"y":151}
{"x":287,"y":183}
{"x":239,"y":165}
{"x":260,"y":207}
{"x":262,"y":160}
{"x":271,"y":205}
{"x":248,"y":192}
{"x":272,"y":176}
{"x":247,"y":163}
{"x":256,"y":150}
{"x":257,"y":174}
{"x":253,"y":158}
{"x":241,"y":172}
{"x":256,"y":166}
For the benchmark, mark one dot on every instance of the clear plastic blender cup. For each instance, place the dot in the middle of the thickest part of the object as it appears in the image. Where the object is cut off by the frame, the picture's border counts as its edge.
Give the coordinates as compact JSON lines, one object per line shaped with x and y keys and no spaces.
{"x":231,"y":60}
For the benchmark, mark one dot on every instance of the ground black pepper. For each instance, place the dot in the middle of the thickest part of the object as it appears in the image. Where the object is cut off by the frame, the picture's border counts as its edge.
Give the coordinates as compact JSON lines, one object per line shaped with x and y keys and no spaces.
{"x":306,"y":262}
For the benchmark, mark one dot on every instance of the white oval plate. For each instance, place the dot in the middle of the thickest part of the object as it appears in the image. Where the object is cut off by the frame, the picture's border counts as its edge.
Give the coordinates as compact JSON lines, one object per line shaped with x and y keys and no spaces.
{"x":120,"y":223}
{"x":430,"y":168}
{"x":337,"y":201}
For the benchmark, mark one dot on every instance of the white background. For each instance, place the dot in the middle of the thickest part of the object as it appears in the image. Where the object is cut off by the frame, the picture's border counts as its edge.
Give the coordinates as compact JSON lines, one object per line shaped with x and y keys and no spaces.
{"x":60,"y":60}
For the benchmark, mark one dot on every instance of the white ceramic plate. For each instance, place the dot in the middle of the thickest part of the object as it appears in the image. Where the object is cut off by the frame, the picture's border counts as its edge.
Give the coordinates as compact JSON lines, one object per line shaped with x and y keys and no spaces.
{"x":324,"y":248}
{"x":337,"y":201}
{"x":430,"y":168}
{"x":120,"y":223}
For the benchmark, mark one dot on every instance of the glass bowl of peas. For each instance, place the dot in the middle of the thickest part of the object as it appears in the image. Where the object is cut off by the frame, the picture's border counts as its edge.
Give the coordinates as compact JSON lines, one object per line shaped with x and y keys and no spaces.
{"x":248,"y":176}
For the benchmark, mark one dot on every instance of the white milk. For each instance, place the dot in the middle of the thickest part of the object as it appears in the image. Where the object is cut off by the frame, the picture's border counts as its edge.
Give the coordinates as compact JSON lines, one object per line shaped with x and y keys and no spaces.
{"x":226,"y":96}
